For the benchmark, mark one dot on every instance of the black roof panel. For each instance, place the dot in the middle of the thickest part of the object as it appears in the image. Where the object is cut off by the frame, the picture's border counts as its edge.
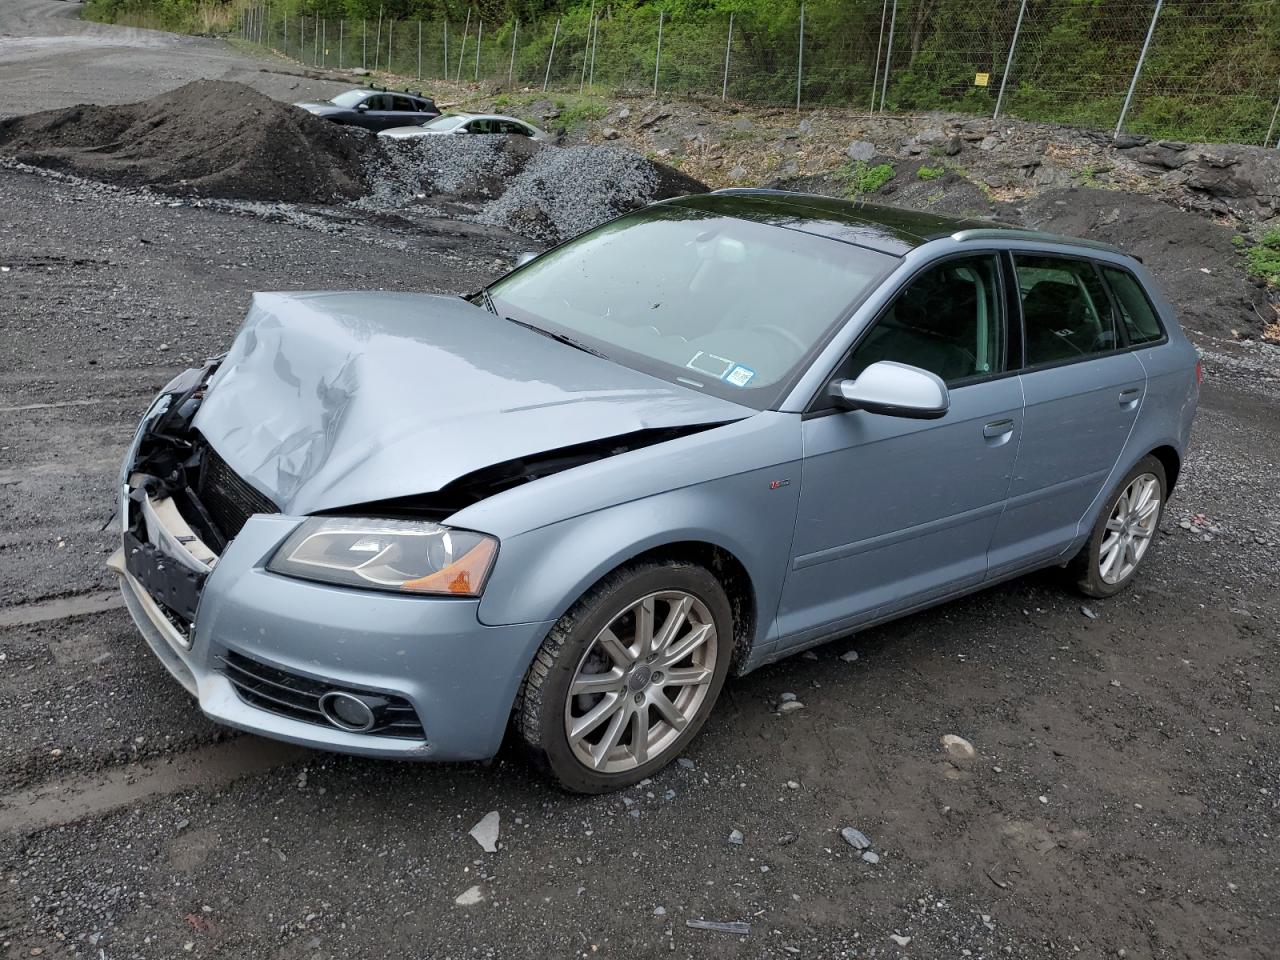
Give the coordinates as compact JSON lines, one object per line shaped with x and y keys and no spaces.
{"x":886,"y":229}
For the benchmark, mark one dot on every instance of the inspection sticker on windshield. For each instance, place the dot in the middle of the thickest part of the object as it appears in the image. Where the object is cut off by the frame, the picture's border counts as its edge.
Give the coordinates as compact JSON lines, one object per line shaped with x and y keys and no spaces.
{"x":710,"y":364}
{"x":740,"y":376}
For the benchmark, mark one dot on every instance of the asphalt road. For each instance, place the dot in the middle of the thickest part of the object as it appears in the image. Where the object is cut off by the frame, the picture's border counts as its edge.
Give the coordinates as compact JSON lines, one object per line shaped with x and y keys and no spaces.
{"x":1124,"y":798}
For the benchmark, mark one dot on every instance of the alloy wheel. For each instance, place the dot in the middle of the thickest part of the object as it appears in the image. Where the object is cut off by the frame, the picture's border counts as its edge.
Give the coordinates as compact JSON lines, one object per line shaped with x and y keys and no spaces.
{"x":641,"y":682}
{"x":1129,"y":529}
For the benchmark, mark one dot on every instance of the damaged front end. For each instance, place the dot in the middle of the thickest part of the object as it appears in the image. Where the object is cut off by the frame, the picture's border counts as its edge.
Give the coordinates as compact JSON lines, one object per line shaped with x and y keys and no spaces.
{"x":180,"y":506}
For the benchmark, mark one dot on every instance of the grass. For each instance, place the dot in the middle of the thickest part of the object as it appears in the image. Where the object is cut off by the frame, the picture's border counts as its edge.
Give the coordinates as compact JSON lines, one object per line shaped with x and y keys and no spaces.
{"x":931,"y":173}
{"x":579,"y":112}
{"x":1263,"y":258}
{"x":861,"y":179}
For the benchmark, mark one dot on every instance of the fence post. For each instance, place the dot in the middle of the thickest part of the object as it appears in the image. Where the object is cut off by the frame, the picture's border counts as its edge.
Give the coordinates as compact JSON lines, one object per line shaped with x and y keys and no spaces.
{"x":1142,"y":56}
{"x":875,"y":77}
{"x":728,"y":47}
{"x":555,"y":36}
{"x":1008,"y":63}
{"x":511,"y":69}
{"x":586,"y":49}
{"x":463,"y":50}
{"x":479,"y":47}
{"x":285,"y":41}
{"x":595,"y":42}
{"x":377,"y":42}
{"x":1271,"y":129}
{"x":888,"y":55}
{"x":342,"y":32}
{"x":800,"y":59}
{"x":657,"y":60}
{"x":446,"y":48}
{"x":419,"y":50}
{"x":364,"y":44}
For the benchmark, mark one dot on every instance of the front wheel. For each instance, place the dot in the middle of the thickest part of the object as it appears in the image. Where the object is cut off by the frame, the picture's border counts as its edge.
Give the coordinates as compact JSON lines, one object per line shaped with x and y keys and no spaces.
{"x":1124,"y":532}
{"x":628,"y":676}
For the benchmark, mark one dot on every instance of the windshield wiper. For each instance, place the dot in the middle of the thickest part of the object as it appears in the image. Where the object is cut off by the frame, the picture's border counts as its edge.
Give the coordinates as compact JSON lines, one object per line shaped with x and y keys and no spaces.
{"x":558,"y":337}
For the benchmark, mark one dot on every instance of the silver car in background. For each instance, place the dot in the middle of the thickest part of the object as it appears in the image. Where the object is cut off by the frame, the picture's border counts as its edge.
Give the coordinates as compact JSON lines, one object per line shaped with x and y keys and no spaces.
{"x":450,"y":124}
{"x":695,"y":440}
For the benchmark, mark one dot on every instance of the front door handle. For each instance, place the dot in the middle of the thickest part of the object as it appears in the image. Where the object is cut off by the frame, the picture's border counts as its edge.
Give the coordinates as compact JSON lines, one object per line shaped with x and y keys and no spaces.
{"x":997,"y":429}
{"x":1129,"y":396}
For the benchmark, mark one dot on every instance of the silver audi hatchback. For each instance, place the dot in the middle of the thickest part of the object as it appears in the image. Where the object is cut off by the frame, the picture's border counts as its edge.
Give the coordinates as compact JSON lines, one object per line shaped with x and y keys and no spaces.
{"x":697,"y":439}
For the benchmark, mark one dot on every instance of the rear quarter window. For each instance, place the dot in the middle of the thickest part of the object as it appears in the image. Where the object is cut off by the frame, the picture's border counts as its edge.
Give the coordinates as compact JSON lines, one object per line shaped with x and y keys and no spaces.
{"x":1141,"y":322}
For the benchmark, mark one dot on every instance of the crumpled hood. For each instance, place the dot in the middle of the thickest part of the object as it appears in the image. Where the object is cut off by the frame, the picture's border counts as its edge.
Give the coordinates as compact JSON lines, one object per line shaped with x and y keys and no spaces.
{"x":320,"y":108}
{"x":327,"y":400}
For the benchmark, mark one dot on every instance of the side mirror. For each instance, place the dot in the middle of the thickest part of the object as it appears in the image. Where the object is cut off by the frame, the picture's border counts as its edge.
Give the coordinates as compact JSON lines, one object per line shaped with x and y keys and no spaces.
{"x":525,"y":258}
{"x":362,"y":107}
{"x":894,"y":390}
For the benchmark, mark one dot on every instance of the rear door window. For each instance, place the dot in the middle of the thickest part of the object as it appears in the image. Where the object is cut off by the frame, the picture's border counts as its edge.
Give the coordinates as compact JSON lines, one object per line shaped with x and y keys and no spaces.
{"x":1066,"y":313}
{"x":404,"y":104}
{"x":1141,"y":322}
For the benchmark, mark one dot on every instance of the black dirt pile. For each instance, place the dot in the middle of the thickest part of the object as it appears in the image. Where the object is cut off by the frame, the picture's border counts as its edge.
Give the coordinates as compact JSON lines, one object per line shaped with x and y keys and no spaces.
{"x":209,"y":138}
{"x":1194,"y":258}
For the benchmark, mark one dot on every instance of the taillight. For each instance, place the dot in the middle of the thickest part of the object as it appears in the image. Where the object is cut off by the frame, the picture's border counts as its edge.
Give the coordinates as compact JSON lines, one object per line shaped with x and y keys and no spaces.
{"x":1199,"y":372}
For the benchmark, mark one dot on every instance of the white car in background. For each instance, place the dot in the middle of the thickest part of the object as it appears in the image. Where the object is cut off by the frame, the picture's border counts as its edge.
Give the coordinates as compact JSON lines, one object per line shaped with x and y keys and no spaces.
{"x":451,"y":123}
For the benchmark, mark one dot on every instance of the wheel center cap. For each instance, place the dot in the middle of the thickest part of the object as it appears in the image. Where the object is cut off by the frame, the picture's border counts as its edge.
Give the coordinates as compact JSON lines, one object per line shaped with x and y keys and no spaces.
{"x":639,"y":678}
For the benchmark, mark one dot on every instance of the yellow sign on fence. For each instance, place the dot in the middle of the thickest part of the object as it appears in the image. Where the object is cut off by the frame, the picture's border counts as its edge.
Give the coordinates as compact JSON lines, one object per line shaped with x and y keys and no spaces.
{"x":981,"y":79}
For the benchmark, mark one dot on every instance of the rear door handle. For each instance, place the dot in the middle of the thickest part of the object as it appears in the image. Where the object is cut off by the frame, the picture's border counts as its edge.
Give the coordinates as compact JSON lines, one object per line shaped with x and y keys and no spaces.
{"x":997,"y":429}
{"x":1129,"y":396}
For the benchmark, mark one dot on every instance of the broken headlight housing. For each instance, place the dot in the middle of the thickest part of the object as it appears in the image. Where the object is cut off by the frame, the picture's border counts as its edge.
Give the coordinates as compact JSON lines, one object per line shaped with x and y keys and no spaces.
{"x":402,"y":556}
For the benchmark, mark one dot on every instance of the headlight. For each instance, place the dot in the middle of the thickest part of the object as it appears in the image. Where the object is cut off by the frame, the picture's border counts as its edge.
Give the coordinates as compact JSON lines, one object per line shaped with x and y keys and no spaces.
{"x":403,"y":556}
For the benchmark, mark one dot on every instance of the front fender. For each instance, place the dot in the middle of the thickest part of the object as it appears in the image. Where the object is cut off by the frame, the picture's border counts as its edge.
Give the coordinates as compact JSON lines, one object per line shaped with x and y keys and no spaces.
{"x":541,"y":573}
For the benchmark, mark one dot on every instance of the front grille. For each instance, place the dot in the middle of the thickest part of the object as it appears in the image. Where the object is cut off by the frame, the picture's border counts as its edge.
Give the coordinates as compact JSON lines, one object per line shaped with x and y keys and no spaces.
{"x":290,"y":695}
{"x":229,"y":500}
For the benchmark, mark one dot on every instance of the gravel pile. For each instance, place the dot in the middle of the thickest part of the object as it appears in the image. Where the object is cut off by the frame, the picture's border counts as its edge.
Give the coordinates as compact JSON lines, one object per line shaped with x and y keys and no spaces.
{"x":209,"y":138}
{"x":563,"y":191}
{"x":454,"y":167}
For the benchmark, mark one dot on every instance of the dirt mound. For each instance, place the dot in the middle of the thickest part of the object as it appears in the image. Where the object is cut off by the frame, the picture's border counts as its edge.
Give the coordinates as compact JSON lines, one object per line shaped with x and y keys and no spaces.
{"x":1194,"y":258}
{"x":209,"y":138}
{"x":940,"y":190}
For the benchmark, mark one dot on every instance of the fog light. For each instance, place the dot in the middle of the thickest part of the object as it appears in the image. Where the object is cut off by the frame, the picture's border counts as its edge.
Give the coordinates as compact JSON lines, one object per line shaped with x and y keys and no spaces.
{"x":347,"y":711}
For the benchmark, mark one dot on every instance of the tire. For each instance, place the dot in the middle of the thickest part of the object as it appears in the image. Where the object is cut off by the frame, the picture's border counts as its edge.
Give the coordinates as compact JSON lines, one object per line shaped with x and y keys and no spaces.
{"x":632,"y":722}
{"x":1097,"y":570}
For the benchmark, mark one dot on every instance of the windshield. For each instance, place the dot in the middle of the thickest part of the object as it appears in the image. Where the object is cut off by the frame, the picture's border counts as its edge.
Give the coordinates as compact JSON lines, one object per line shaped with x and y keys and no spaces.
{"x":349,"y":99}
{"x":731,"y":307}
{"x":444,"y":122}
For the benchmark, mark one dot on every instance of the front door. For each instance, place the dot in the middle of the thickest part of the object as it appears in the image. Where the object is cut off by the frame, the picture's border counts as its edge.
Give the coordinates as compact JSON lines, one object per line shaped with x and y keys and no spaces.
{"x":1082,"y":399}
{"x":893,"y":511}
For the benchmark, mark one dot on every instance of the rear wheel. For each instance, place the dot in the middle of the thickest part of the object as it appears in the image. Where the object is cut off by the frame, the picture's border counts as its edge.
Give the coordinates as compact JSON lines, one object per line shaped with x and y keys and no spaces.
{"x":1124,"y":533}
{"x":628,"y":676}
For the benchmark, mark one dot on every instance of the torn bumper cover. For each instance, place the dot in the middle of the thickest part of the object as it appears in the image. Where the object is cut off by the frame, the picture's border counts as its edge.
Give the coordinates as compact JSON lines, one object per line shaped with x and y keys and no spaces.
{"x":260,"y":651}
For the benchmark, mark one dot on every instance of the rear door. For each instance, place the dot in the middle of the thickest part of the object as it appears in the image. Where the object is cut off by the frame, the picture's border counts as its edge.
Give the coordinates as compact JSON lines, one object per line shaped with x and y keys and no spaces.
{"x":893,"y":511}
{"x":377,"y":114}
{"x":1083,"y":390}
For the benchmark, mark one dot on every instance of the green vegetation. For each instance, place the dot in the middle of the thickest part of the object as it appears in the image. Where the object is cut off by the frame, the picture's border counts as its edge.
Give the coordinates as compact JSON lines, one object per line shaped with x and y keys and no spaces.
{"x":1210,"y":72}
{"x":861,"y":179}
{"x":931,"y":173}
{"x":578,"y":112}
{"x":1264,"y":257}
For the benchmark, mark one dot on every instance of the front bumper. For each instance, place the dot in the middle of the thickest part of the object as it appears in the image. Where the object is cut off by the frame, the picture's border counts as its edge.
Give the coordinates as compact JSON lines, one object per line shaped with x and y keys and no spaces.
{"x":459,"y":675}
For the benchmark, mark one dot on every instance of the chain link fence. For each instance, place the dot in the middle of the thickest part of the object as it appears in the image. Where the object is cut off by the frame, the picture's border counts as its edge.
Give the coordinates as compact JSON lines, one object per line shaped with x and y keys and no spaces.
{"x":1188,"y":69}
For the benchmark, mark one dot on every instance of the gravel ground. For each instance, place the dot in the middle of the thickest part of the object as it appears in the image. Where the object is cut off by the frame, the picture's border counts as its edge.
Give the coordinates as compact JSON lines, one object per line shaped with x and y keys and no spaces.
{"x":1124,"y":796}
